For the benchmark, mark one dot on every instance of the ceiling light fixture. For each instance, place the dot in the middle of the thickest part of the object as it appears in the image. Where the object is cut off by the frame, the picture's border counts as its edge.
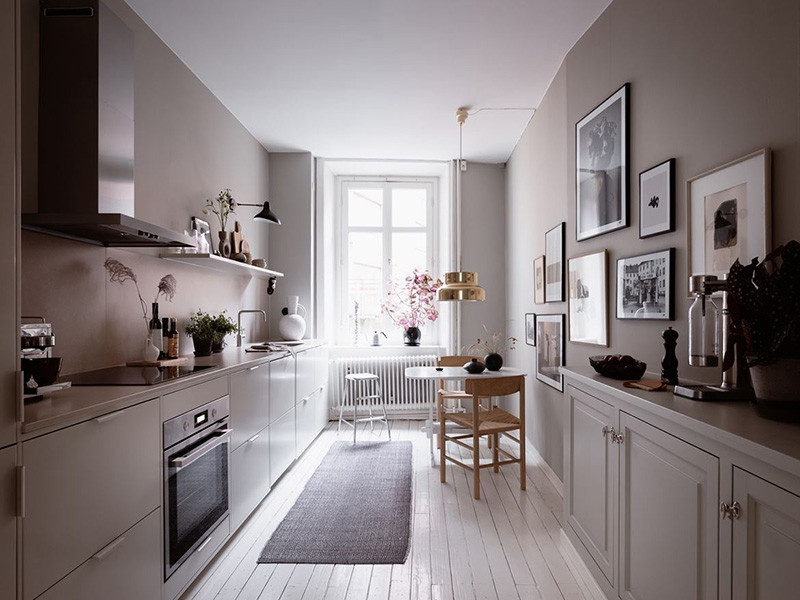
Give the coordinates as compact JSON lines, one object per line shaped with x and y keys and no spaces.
{"x":265,"y":214}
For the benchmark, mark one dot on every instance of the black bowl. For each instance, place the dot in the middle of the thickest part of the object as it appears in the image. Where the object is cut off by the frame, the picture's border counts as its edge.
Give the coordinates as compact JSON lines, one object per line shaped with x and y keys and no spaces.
{"x":43,"y":370}
{"x":617,"y":370}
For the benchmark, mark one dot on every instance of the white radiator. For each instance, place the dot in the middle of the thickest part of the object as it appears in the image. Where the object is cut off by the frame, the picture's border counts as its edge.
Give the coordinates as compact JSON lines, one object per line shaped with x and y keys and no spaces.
{"x":404,"y":397}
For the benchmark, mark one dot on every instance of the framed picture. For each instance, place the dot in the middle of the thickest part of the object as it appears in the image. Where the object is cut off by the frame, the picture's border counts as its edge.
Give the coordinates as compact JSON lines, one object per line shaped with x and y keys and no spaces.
{"x":588,"y":299}
{"x":530,"y":329}
{"x":554,"y":250}
{"x":538,"y":280}
{"x":657,"y":199}
{"x":550,"y":350}
{"x":728,"y":213}
{"x":646,"y":286}
{"x":601,"y":167}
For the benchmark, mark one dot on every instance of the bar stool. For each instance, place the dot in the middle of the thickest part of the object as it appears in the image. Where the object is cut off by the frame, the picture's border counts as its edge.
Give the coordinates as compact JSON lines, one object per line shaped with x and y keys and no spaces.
{"x":358,"y":387}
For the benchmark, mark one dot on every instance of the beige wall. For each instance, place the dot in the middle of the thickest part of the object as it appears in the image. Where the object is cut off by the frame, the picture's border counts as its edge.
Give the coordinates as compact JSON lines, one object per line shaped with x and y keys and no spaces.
{"x":710,"y":82}
{"x":188,"y":147}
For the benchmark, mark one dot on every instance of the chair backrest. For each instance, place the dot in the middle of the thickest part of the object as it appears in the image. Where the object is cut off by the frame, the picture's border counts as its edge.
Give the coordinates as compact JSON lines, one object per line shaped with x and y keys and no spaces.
{"x":495,"y":386}
{"x":452,"y":361}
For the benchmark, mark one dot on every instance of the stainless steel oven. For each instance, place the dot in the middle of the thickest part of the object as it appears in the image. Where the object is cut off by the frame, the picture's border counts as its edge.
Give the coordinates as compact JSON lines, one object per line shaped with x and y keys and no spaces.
{"x":196,"y":479}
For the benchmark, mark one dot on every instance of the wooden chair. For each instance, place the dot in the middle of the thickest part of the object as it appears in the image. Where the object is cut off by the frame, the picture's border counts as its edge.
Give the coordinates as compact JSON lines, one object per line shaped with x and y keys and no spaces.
{"x":492,"y":422}
{"x":443,"y":393}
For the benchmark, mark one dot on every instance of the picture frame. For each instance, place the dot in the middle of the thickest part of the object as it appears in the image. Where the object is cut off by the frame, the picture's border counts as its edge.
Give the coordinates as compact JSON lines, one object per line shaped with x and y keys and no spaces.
{"x":601,"y":167}
{"x":530,"y":329}
{"x":729,"y":214}
{"x":555,"y":249}
{"x":588,"y":298}
{"x":646,"y":286}
{"x":657,"y":199}
{"x":538,"y":280}
{"x":550,"y":350}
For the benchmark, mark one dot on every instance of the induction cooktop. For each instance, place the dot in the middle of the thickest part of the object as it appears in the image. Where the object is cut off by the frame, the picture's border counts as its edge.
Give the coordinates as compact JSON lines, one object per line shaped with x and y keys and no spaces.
{"x":134,"y":375}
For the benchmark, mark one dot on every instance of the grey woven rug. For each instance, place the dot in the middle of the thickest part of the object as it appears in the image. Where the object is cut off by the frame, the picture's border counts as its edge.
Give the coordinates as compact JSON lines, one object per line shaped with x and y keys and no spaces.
{"x":355,"y":509}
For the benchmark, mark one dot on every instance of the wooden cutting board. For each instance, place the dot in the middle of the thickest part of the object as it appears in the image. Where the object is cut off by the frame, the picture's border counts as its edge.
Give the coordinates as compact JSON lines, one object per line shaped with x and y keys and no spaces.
{"x":167,"y":362}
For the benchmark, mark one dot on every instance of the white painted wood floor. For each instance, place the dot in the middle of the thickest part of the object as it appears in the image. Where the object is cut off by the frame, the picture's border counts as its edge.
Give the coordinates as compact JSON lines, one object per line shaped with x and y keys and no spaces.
{"x":508,"y":545}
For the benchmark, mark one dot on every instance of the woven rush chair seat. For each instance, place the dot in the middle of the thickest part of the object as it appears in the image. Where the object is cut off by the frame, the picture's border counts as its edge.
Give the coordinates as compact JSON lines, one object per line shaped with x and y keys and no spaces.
{"x":491,"y":421}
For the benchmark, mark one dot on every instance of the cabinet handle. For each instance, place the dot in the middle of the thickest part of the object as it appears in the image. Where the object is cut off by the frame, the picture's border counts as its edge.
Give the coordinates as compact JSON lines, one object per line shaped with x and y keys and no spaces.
{"x":618,"y":438}
{"x":732,"y":512}
{"x":253,"y":368}
{"x":204,"y":544}
{"x":21,"y":492}
{"x":109,"y":549}
{"x":254,"y":438}
{"x":108,"y":417}
{"x":607,"y":430}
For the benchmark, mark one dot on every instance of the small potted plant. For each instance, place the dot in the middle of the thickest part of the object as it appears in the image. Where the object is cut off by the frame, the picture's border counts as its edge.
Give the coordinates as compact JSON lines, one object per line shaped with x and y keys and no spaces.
{"x":223,"y":325}
{"x":222,"y":206}
{"x":411,"y":303}
{"x":491,"y":348}
{"x":202,"y":330}
{"x":764,"y":300}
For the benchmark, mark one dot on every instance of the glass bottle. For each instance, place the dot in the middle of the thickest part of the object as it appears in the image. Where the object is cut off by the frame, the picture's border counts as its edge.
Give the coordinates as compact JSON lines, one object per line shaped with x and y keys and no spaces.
{"x":155,"y":331}
{"x":704,"y":332}
{"x":174,"y":351}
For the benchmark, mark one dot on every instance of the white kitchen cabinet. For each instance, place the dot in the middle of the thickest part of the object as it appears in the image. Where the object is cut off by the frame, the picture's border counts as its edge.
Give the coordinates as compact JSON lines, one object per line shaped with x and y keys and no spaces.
{"x":250,"y":480}
{"x":84,"y":486}
{"x":305,"y":421}
{"x":249,"y":403}
{"x":306,"y":373}
{"x":591,"y":463}
{"x":766,"y":540}
{"x":281,"y":387}
{"x":282,"y":447}
{"x":669,"y":516}
{"x":129,"y":568}
{"x":8,"y":523}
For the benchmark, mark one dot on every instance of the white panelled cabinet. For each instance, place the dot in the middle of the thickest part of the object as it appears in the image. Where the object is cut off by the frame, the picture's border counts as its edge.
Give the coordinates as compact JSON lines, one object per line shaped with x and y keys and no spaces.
{"x":8,"y":523}
{"x":658,"y":512}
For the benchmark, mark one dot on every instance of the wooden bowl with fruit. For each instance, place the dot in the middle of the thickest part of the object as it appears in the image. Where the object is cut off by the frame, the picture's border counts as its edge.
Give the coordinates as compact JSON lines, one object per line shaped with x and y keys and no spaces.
{"x":618,"y":366}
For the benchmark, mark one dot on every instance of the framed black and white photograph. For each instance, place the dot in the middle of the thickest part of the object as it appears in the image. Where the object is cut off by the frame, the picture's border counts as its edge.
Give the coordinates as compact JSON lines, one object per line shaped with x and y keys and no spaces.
{"x":601,"y":167}
{"x":550,"y":350}
{"x":588,"y":298}
{"x":657,"y":199}
{"x":646,"y":286}
{"x":530,"y":329}
{"x":728,"y":211}
{"x":554,"y":250}
{"x":538,"y":280}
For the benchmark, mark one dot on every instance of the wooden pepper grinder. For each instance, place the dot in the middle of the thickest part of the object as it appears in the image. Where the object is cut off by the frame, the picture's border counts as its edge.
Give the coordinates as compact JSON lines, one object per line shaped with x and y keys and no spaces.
{"x":669,"y":365}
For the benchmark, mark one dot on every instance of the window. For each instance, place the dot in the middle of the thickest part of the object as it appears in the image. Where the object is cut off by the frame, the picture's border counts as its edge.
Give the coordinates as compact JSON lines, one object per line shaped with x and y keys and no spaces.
{"x":387,"y":229}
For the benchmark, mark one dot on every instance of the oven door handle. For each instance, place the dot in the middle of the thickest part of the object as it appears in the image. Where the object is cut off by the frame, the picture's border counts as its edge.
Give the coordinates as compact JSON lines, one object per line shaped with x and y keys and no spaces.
{"x":219,"y":437}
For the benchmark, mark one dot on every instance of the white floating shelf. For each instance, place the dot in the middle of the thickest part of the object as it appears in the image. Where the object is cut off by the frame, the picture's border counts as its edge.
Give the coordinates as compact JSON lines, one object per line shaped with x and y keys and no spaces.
{"x":223,"y":265}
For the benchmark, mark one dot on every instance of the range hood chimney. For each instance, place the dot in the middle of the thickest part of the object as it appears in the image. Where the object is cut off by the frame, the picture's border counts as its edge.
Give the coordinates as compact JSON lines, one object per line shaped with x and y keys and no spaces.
{"x":86,"y":130}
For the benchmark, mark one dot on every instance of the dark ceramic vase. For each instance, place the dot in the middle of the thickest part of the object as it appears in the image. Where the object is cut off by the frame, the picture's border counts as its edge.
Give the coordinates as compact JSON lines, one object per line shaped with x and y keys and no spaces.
{"x":412,"y":336}
{"x":202,"y":346}
{"x":474,"y":367}
{"x":493,"y":361}
{"x":224,"y":244}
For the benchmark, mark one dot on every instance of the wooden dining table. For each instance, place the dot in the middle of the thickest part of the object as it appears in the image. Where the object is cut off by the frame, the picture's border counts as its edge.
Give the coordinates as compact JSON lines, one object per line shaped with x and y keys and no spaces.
{"x":451,"y":374}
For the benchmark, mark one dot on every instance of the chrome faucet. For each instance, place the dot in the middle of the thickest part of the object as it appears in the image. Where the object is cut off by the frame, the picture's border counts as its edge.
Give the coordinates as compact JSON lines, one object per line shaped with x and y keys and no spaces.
{"x":239,"y":323}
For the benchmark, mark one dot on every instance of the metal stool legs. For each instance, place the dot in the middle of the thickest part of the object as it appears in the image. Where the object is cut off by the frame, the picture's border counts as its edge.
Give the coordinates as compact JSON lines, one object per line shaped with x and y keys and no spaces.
{"x":357,"y":388}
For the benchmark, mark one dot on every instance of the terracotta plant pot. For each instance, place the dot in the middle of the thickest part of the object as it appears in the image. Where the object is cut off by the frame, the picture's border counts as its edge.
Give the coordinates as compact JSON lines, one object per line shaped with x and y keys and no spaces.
{"x":776,"y":387}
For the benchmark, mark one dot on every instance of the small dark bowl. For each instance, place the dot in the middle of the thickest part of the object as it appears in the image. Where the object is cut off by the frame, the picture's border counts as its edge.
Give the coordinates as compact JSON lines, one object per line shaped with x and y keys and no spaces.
{"x":615,"y":370}
{"x":43,"y":370}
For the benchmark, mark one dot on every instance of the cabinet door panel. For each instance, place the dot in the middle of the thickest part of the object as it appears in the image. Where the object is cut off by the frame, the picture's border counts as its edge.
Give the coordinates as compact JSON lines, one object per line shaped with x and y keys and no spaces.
{"x":8,"y":523}
{"x":249,"y":476}
{"x":305,"y":374}
{"x":669,"y":521}
{"x":249,"y":403}
{"x":591,"y":478}
{"x":281,"y":387}
{"x":766,"y":540}
{"x":281,"y":445}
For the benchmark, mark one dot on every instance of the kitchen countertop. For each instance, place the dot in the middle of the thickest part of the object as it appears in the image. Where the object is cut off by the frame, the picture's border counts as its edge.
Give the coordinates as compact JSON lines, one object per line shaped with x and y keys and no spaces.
{"x":80,"y":403}
{"x":735,"y":424}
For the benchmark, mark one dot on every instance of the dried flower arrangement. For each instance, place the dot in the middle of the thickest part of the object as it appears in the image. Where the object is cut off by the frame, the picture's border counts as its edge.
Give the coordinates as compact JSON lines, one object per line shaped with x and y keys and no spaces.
{"x":410,"y":302}
{"x":222,"y":206}
{"x":119,"y":273}
{"x":494,"y":343}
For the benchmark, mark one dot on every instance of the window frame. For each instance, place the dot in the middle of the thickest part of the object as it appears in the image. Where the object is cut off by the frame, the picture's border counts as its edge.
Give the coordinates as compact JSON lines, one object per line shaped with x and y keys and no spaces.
{"x":342,"y":230}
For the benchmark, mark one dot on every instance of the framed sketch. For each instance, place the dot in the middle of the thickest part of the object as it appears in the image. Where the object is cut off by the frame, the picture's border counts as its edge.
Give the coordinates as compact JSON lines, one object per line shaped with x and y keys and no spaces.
{"x":554,"y":250}
{"x":530,"y":329}
{"x":601,"y":167}
{"x":588,"y":298}
{"x":646,"y":286}
{"x":728,"y":211}
{"x":550,"y":350}
{"x":538,"y":280}
{"x":657,"y":199}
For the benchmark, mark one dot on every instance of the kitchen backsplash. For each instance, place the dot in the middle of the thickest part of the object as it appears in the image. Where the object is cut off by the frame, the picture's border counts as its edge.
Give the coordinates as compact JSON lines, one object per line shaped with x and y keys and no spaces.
{"x":98,"y":323}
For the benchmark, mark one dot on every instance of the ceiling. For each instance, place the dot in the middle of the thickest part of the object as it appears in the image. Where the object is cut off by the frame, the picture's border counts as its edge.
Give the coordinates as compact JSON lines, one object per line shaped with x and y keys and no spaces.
{"x":375,"y":78}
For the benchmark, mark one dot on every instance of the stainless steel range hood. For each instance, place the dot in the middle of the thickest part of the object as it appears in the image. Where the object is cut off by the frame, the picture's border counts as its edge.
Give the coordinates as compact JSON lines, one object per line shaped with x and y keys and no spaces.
{"x":86,"y":132}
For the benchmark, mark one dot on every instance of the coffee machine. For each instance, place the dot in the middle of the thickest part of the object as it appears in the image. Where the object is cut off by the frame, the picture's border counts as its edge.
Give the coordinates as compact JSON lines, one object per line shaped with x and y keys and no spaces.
{"x":40,"y":368}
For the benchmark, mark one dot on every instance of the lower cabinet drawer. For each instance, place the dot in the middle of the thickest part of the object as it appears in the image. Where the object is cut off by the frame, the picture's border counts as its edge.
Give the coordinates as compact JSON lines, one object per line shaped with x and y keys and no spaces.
{"x":249,"y":476}
{"x":304,"y":419}
{"x":281,"y":445}
{"x":129,"y":568}
{"x":185,"y":574}
{"x":84,"y":486}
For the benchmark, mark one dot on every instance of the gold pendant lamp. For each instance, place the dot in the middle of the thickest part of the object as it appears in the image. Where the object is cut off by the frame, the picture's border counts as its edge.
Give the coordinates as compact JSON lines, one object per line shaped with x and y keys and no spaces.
{"x":460,"y":286}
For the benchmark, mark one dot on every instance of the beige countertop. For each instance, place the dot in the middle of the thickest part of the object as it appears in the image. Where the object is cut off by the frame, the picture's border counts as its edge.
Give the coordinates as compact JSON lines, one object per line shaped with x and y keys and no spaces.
{"x":735,"y":424}
{"x":80,"y":403}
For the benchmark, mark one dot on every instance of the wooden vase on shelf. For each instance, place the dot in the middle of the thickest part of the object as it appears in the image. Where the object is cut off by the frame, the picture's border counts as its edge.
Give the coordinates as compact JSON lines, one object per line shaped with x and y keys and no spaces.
{"x":224,"y":244}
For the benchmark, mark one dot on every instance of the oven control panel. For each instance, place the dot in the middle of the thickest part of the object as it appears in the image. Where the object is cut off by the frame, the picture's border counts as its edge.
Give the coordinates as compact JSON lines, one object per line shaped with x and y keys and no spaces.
{"x":182,"y":426}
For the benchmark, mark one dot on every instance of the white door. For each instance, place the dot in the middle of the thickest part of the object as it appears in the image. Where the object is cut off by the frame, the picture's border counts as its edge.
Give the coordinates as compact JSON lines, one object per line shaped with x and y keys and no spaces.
{"x":591,"y":477}
{"x":8,"y":523}
{"x":669,"y":523}
{"x":766,"y":540}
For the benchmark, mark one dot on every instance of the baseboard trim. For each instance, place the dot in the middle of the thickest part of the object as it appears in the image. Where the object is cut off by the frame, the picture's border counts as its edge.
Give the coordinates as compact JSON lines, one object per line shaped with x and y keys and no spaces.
{"x":580,"y":566}
{"x":534,"y":458}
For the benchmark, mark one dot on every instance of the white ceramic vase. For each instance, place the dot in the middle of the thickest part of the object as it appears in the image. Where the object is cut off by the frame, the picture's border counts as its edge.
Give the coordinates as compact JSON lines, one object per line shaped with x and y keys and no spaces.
{"x":292,"y":326}
{"x":150,"y":351}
